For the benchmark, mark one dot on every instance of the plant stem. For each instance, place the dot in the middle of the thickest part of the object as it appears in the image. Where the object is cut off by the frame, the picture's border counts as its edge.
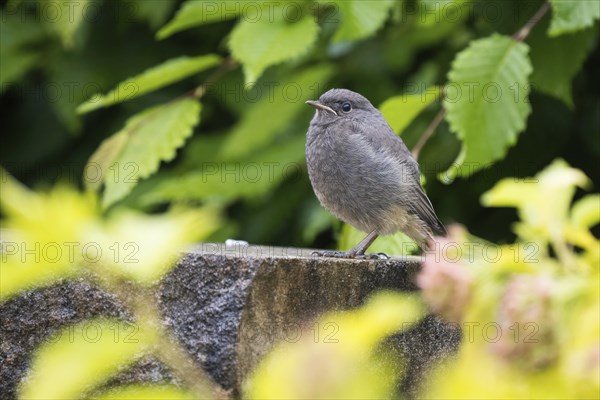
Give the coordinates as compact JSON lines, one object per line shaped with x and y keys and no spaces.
{"x":227,"y":65}
{"x":439,"y":117}
{"x":522,"y":33}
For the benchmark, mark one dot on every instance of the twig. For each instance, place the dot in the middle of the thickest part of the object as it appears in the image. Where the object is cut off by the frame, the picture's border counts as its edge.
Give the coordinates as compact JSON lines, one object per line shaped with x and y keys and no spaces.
{"x":526,"y":29}
{"x":439,"y":117}
{"x":519,"y":36}
{"x":227,"y":65}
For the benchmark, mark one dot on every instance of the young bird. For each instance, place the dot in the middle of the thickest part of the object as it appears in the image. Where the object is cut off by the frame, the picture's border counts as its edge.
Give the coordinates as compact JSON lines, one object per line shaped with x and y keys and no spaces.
{"x":362,"y":172}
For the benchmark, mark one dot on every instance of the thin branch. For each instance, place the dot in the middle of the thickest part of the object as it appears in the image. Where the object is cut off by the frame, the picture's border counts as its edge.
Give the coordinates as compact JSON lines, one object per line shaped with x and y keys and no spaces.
{"x":227,"y":65}
{"x":439,"y":117}
{"x":519,"y":36}
{"x":522,"y":33}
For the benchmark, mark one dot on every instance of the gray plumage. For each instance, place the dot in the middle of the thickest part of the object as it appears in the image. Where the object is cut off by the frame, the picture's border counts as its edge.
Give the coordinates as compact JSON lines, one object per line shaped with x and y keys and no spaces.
{"x":362,"y":172}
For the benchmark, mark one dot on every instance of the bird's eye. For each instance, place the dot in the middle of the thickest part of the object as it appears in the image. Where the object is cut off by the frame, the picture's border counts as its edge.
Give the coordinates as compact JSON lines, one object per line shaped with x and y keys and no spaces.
{"x":346,"y":107}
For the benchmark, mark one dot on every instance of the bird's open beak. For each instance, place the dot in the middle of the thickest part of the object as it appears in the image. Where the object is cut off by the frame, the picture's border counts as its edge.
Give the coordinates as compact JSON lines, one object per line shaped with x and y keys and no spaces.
{"x":319,"y":106}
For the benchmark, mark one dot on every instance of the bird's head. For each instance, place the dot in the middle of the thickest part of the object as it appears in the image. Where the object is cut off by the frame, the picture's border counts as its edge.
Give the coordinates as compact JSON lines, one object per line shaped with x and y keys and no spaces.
{"x":341,"y":103}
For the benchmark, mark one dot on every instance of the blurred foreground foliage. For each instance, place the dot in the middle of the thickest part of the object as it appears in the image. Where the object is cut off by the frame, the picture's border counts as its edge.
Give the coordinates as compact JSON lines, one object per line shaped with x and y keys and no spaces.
{"x":198,"y":106}
{"x":529,"y":312}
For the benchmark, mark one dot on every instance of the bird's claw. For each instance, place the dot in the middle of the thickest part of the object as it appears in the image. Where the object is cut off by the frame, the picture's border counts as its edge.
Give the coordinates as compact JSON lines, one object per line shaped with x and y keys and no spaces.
{"x":349,"y":255}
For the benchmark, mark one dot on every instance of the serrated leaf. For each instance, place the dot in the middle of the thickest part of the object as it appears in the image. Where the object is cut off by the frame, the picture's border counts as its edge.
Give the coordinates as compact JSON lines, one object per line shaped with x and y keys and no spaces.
{"x":273,"y":113}
{"x":153,"y":136}
{"x":360,"y":19}
{"x":227,"y":181}
{"x":102,"y":159}
{"x":262,"y":43}
{"x":83,"y":356}
{"x":571,"y":16}
{"x":196,"y":12}
{"x":556,"y":60}
{"x":400,"y":111}
{"x":169,"y":72}
{"x":487,"y":100}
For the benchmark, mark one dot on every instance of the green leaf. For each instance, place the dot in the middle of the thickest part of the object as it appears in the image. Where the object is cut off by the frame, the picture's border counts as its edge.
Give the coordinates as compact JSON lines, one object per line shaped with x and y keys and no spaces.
{"x":557,"y":60}
{"x":273,"y":113}
{"x":360,"y":19}
{"x":570,"y":16}
{"x":16,"y":34}
{"x":397,"y":244}
{"x":83,"y":356}
{"x":35,"y":249}
{"x":69,"y":16}
{"x":144,"y":248}
{"x":154,"y":12}
{"x":586,"y":211}
{"x":195,"y":13}
{"x":399,"y":111}
{"x":542,"y":203}
{"x":100,"y":162}
{"x":487,"y":100}
{"x":152,"y":136}
{"x":146,"y":392}
{"x":154,"y":78}
{"x":264,"y":42}
{"x":227,"y":181}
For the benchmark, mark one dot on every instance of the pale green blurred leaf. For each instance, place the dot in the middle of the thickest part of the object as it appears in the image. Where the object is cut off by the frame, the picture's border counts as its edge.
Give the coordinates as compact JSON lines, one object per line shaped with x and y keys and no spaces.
{"x":397,"y":244}
{"x":144,"y":248}
{"x":271,"y":114}
{"x":67,"y":18}
{"x":196,"y":12}
{"x":401,"y":110}
{"x":260,"y":43}
{"x":570,"y":16}
{"x":154,"y":78}
{"x":543,"y":203}
{"x":343,"y":360}
{"x":16,"y":35}
{"x":314,"y":221}
{"x":154,"y":11}
{"x":39,"y":250}
{"x":586,"y":211}
{"x":557,"y":60}
{"x":101,"y":160}
{"x":154,"y":135}
{"x":84,"y":355}
{"x":435,"y":13}
{"x":360,"y":19}
{"x":487,"y":100}
{"x":146,"y":392}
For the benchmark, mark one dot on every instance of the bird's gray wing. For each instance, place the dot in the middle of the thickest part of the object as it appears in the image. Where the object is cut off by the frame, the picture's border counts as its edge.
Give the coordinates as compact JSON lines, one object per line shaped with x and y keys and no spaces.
{"x":383,"y":139}
{"x":421,"y":206}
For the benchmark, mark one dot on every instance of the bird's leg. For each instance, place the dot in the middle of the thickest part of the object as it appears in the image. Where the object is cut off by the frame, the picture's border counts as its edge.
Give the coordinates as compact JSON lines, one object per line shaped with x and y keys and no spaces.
{"x":364,"y":244}
{"x":357,"y":252}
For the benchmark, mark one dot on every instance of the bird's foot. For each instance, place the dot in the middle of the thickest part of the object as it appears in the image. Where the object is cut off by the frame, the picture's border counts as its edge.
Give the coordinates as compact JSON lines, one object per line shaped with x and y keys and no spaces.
{"x":349,"y":254}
